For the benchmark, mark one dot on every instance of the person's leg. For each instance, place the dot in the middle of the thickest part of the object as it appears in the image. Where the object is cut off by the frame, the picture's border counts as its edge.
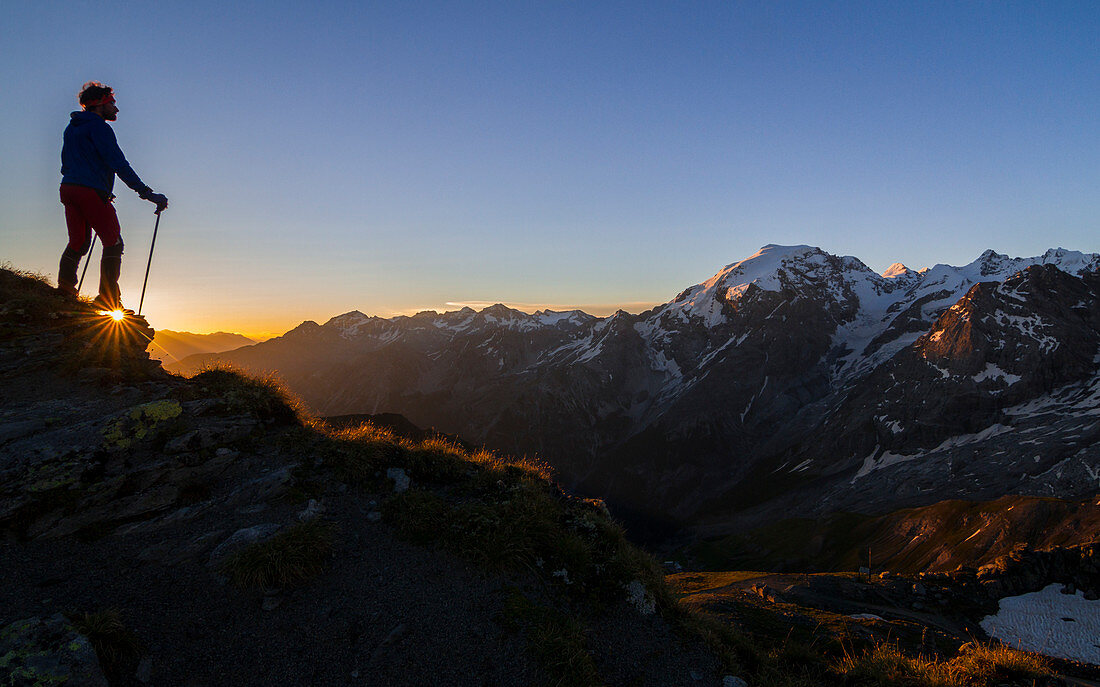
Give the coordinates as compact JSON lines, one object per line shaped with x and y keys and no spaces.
{"x":100,"y":215}
{"x":80,"y":234}
{"x":110,"y":269}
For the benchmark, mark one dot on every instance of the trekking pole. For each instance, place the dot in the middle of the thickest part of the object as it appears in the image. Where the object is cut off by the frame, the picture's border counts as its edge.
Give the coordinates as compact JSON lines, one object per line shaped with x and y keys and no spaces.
{"x":86,"y":263}
{"x":149,"y":264}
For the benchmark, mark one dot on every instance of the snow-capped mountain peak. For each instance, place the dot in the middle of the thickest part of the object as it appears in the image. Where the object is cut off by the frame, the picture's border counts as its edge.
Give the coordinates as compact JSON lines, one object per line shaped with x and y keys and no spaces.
{"x":896,"y":271}
{"x":738,"y":373}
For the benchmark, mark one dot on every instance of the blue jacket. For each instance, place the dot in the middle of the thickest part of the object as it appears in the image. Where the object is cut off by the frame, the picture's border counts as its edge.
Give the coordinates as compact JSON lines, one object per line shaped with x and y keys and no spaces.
{"x":90,"y":156}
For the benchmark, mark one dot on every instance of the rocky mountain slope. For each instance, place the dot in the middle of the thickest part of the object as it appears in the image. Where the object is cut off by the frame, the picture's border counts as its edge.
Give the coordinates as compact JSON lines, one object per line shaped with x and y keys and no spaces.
{"x":939,"y":538}
{"x":170,"y":531}
{"x":793,"y":381}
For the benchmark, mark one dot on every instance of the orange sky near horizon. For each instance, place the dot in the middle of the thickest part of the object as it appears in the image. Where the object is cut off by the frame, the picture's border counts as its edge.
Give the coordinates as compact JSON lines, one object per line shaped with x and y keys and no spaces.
{"x":263,"y":327}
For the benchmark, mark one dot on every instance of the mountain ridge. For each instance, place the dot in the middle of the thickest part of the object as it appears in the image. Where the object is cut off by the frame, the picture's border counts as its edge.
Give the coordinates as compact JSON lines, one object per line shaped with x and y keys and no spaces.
{"x":173,"y":345}
{"x":667,"y":411}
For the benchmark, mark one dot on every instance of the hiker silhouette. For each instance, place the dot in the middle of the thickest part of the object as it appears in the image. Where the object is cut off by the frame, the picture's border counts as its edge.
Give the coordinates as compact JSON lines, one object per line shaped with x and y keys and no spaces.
{"x":90,"y":159}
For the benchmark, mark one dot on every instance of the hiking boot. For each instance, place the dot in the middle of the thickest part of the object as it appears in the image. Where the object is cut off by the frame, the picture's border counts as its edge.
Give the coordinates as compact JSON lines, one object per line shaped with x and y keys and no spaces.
{"x":67,"y":290}
{"x":101,"y":303}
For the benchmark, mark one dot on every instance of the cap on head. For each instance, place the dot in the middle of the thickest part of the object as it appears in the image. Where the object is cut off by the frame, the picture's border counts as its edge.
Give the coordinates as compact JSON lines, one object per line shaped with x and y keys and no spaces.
{"x":94,"y":94}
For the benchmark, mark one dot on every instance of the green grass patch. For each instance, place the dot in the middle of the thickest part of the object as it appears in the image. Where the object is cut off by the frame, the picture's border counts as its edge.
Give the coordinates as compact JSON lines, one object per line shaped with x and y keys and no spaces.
{"x":266,"y":398}
{"x":294,"y":555}
{"x":556,"y":640}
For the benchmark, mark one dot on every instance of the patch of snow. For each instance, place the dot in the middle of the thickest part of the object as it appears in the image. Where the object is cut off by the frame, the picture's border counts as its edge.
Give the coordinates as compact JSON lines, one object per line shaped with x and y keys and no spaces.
{"x":991,"y":371}
{"x":753,"y":399}
{"x":1049,"y":622}
{"x":964,"y":439}
{"x":662,"y":363}
{"x":591,"y":353}
{"x":888,"y":458}
{"x":944,"y":374}
{"x":877,"y":462}
{"x":1030,"y":327}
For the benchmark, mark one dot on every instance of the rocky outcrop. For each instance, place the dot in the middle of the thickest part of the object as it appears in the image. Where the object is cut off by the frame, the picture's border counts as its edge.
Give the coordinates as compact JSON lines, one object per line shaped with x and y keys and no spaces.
{"x":48,"y":651}
{"x":1026,"y":570}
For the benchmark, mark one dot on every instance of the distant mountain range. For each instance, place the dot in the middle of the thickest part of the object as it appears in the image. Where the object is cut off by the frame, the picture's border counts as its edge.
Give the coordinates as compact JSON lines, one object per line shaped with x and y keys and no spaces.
{"x":169,"y":346}
{"x":794,"y":382}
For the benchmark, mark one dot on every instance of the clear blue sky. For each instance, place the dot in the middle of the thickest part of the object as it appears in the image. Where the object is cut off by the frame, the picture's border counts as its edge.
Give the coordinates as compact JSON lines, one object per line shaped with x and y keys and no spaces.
{"x":391,"y":157}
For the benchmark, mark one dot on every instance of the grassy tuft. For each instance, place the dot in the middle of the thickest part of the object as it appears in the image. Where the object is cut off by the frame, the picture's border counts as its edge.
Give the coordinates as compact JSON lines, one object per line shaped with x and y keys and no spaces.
{"x":264,"y":397}
{"x":294,"y":555}
{"x":27,"y":296}
{"x":556,"y":640}
{"x":886,"y":665}
{"x":993,"y":664}
{"x":977,"y":665}
{"x":436,"y":459}
{"x":358,"y":454}
{"x":114,"y":645}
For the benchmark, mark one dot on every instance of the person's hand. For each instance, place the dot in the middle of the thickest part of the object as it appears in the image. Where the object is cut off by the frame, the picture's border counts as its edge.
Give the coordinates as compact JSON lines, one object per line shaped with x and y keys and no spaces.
{"x":158,"y":199}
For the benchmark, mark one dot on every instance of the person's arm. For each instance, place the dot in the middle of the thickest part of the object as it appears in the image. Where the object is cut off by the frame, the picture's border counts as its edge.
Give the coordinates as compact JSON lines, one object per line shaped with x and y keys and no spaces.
{"x":107,"y":145}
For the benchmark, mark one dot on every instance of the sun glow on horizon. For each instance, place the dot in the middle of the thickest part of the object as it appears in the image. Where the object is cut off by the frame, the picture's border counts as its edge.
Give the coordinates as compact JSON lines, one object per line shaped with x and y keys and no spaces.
{"x":116,"y":315}
{"x":261,"y":331}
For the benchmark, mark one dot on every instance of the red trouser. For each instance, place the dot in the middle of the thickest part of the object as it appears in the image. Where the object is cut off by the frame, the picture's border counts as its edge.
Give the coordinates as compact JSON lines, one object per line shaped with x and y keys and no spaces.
{"x":85,"y":211}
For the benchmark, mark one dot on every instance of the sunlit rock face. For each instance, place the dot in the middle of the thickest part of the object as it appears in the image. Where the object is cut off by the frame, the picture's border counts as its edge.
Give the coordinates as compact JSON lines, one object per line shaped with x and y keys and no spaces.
{"x":793,"y":381}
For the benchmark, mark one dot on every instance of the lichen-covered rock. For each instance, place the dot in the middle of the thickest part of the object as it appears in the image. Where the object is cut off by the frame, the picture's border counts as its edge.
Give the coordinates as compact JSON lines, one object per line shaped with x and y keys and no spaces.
{"x":36,"y":652}
{"x":140,"y":423}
